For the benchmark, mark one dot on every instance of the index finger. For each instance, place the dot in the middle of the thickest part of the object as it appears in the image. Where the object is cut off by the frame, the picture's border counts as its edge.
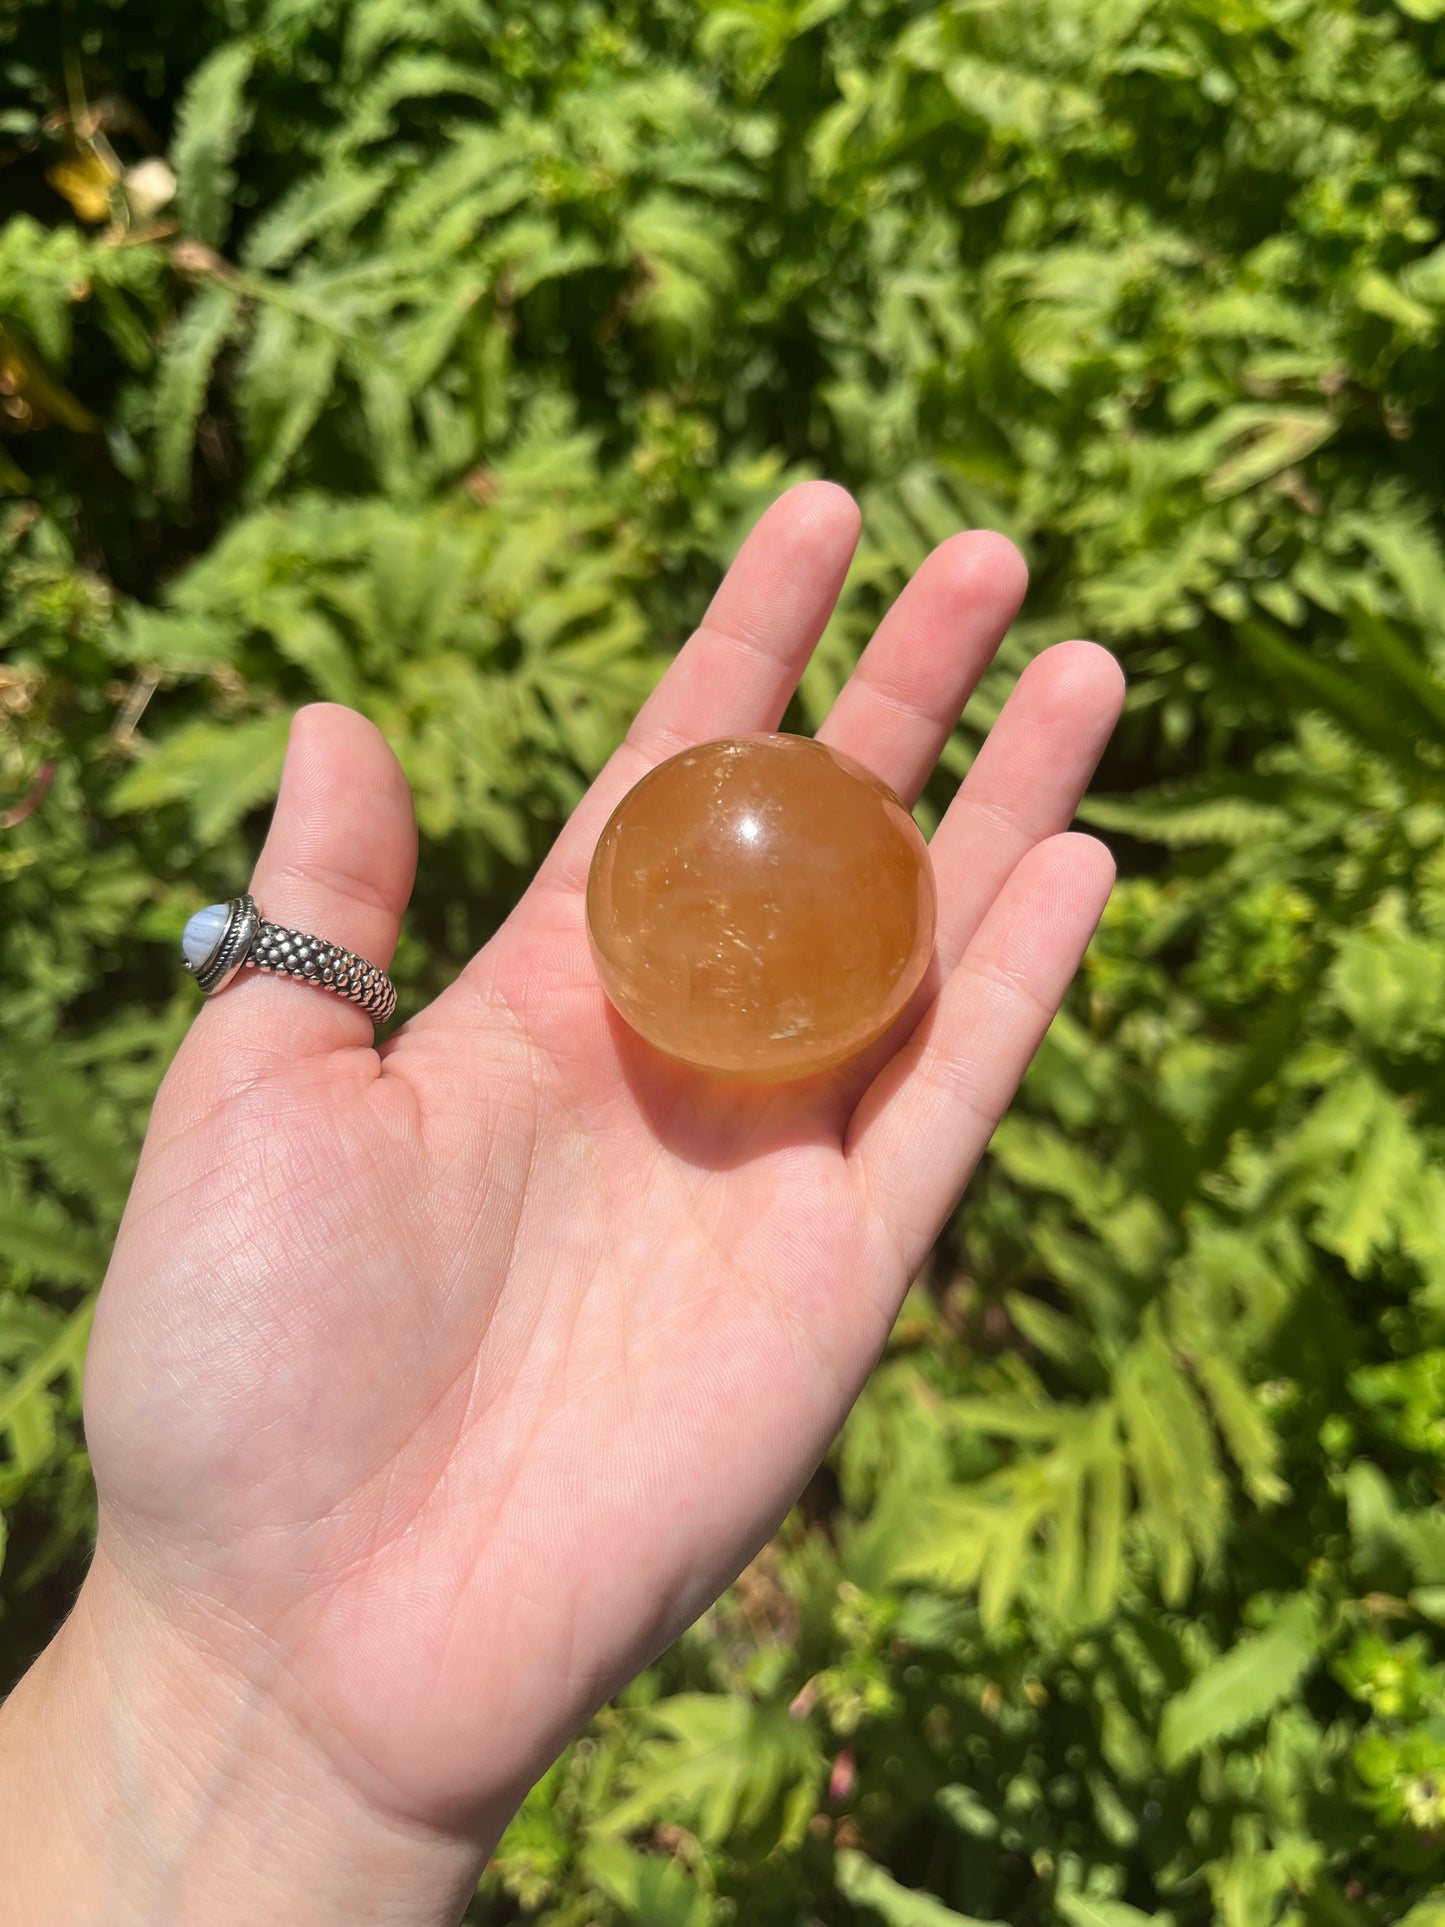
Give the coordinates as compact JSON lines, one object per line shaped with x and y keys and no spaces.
{"x":737,"y":672}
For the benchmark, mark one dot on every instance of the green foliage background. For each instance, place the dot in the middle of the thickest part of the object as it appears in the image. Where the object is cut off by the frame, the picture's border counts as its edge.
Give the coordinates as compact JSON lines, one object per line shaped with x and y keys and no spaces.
{"x":469,"y":343}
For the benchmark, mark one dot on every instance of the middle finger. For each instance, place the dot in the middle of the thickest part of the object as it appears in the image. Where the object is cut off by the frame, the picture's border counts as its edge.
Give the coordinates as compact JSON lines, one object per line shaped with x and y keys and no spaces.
{"x":901,"y":703}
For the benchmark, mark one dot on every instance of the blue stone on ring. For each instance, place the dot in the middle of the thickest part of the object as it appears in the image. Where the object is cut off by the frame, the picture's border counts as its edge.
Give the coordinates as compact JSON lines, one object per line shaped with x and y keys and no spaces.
{"x":203,"y":933}
{"x":218,"y":941}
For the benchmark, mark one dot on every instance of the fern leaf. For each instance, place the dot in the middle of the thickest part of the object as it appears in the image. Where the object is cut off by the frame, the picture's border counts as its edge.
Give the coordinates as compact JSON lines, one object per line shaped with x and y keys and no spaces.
{"x":1407,"y":546}
{"x":1118,"y":1823}
{"x":1108,"y":1496}
{"x":949,"y":1542}
{"x":25,"y":1394}
{"x":80,"y":1138}
{"x":174,"y":640}
{"x":1387,"y":648}
{"x":723,"y":1762}
{"x":1429,"y":1912}
{"x":1042,"y":1156}
{"x":1362,"y":1219}
{"x":419,"y":348}
{"x":1364,"y":710}
{"x":1252,"y":1441}
{"x":419,"y":587}
{"x":1067,"y":1547}
{"x":1095,"y":1910}
{"x":34,"y":1234}
{"x":652,"y":1889}
{"x":1391,"y":985}
{"x":285,"y":383}
{"x":387,"y":408}
{"x":217,"y":772}
{"x":1247,"y":1683}
{"x":1093,"y":1278}
{"x":687,"y":271}
{"x":304,"y":635}
{"x":1421,"y":1539}
{"x":1003,"y":1567}
{"x":209,"y":125}
{"x":325,"y":206}
{"x":962,"y":1806}
{"x":531,"y":251}
{"x":493,"y":159}
{"x":1056,"y":1335}
{"x":1007,"y":1420}
{"x":27,"y":1423}
{"x":863,"y":1883}
{"x":1187,"y":816}
{"x":414,"y":76}
{"x":1193,"y":1461}
{"x":1373,"y":1515}
{"x":185,"y":373}
{"x":1157,"y":1475}
{"x":26,"y":1325}
{"x":1272,"y":439}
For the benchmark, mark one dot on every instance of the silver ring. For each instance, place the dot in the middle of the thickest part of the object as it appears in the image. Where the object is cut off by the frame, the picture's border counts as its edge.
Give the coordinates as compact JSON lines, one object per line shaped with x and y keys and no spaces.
{"x":227,"y":937}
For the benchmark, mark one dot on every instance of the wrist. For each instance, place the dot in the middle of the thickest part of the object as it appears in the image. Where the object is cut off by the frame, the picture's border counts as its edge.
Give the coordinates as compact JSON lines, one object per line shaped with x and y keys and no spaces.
{"x":146,"y":1779}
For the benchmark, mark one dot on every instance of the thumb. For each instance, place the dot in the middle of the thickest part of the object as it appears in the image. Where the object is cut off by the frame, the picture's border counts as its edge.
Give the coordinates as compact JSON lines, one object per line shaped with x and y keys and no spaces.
{"x":338,"y":863}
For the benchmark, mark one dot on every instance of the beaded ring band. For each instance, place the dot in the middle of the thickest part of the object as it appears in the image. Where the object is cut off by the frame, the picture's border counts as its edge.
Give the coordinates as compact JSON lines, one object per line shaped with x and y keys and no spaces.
{"x":227,"y":937}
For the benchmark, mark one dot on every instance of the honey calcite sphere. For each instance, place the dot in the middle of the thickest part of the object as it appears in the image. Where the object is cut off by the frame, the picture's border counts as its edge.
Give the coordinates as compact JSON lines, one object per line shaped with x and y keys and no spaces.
{"x":761,"y":907}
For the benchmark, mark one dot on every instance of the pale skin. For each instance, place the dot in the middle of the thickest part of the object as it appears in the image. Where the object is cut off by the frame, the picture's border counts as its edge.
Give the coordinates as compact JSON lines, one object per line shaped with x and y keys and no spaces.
{"x":434,"y":1389}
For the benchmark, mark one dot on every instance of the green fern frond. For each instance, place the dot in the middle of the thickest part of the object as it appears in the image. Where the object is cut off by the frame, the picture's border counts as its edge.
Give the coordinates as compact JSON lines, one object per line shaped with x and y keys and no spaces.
{"x":1373,"y":712}
{"x":1025,"y":1501}
{"x":325,"y":206}
{"x":1057,"y":1336}
{"x":67,"y":1122}
{"x":36,"y":1238}
{"x":1269,"y":439}
{"x":1096,"y":1910}
{"x":285,"y":383}
{"x":722,"y":1762}
{"x":863,"y":1883}
{"x":1251,"y":1440}
{"x":488,"y":169}
{"x":1246,"y":1684}
{"x":1193,"y":815}
{"x":185,"y":374}
{"x":1163,"y":1478}
{"x":1109,"y":1496}
{"x":650,"y":1888}
{"x":1385,"y":647}
{"x":212,"y":118}
{"x":217,"y":775}
{"x":27,"y":1411}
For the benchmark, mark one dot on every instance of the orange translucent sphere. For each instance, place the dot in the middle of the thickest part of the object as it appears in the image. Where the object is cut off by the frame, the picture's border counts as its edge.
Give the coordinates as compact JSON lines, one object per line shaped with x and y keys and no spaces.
{"x":761,"y":907}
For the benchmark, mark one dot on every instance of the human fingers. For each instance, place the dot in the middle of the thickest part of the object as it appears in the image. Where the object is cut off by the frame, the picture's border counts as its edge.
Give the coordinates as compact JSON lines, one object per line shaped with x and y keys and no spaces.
{"x":737,"y":672}
{"x":1026,"y":783}
{"x":925,"y":1120}
{"x":1025,"y":786}
{"x":897,"y":709}
{"x":338,"y":863}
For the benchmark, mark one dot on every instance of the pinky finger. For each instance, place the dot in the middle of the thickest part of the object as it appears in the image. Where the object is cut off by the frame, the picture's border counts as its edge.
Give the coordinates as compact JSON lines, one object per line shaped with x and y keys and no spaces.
{"x":925,"y":1121}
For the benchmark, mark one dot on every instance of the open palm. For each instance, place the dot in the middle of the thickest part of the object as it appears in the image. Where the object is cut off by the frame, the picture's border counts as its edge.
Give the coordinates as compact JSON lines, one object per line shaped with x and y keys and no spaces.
{"x":435,"y":1388}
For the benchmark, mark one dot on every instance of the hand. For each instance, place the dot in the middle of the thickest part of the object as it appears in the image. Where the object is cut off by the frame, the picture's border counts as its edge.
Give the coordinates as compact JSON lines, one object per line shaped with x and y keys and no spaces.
{"x":434,"y":1389}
